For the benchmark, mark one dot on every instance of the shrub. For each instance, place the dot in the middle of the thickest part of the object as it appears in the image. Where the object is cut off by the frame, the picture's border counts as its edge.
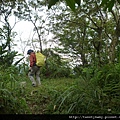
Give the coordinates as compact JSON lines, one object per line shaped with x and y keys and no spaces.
{"x":98,"y":94}
{"x":11,"y":94}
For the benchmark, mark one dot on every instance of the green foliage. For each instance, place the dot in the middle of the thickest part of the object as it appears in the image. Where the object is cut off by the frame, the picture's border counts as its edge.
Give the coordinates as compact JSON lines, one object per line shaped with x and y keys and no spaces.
{"x":23,"y":69}
{"x":55,"y":70}
{"x":55,"y":67}
{"x":7,"y":58}
{"x":11,"y":94}
{"x":107,"y":79}
{"x":96,"y":91}
{"x":108,"y":4}
{"x":70,"y":3}
{"x":7,"y":55}
{"x":52,"y":2}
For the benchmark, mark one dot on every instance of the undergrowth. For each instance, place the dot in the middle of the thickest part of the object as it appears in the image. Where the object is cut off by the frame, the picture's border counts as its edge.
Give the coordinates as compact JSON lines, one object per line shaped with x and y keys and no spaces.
{"x":95,"y":91}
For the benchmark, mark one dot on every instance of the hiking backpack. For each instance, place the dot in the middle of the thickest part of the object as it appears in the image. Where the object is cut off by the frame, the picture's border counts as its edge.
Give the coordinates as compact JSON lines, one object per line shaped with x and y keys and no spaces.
{"x":40,"y":59}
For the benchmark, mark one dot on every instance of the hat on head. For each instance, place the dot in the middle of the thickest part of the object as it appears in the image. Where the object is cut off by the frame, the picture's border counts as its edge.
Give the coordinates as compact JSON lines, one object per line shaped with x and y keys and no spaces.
{"x":29,"y":51}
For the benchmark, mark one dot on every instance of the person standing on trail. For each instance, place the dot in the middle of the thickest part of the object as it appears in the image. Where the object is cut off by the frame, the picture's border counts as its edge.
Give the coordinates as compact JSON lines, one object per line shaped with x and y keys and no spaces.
{"x":34,"y":70}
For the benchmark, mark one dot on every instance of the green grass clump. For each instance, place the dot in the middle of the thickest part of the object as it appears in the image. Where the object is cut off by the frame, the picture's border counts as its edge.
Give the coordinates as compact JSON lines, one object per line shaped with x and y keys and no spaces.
{"x":97,"y":95}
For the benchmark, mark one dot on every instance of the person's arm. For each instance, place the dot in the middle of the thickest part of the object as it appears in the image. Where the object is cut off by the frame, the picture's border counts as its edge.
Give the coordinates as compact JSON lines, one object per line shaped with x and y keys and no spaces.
{"x":31,"y":61}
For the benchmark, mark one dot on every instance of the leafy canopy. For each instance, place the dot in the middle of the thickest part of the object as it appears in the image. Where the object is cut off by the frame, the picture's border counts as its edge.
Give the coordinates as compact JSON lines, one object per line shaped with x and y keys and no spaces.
{"x":107,"y":4}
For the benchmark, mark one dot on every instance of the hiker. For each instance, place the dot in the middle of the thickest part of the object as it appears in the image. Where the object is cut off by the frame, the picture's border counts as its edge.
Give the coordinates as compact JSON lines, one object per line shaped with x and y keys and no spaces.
{"x":34,"y":70}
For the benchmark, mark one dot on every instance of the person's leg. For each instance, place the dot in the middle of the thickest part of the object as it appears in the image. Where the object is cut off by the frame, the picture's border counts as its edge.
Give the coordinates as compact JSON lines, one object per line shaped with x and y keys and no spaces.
{"x":31,"y":75}
{"x":38,"y":76}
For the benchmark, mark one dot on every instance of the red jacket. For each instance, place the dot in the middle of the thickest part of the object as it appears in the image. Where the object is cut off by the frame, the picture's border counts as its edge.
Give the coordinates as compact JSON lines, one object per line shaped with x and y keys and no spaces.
{"x":32,"y":59}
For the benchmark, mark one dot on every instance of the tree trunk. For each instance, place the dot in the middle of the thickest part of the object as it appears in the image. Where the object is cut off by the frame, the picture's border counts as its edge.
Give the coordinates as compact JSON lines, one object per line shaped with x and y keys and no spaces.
{"x":112,"y":50}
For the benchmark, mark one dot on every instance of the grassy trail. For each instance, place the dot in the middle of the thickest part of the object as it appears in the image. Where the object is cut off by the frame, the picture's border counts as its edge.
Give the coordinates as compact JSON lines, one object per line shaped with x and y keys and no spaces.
{"x":59,"y":96}
{"x":39,"y":98}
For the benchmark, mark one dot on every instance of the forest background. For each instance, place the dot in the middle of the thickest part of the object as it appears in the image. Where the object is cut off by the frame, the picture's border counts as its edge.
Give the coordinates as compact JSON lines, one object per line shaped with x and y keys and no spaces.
{"x":82,"y":70}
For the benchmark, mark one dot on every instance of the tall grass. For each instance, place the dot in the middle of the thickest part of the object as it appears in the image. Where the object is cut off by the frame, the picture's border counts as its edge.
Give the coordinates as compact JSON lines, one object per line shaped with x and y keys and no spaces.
{"x":11,"y":93}
{"x":95,"y":91}
{"x":99,"y":94}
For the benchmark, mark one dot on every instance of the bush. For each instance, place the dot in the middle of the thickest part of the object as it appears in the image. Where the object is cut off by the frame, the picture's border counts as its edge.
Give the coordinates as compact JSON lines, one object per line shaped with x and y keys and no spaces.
{"x":11,"y":94}
{"x":94,"y":93}
{"x":55,"y":70}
